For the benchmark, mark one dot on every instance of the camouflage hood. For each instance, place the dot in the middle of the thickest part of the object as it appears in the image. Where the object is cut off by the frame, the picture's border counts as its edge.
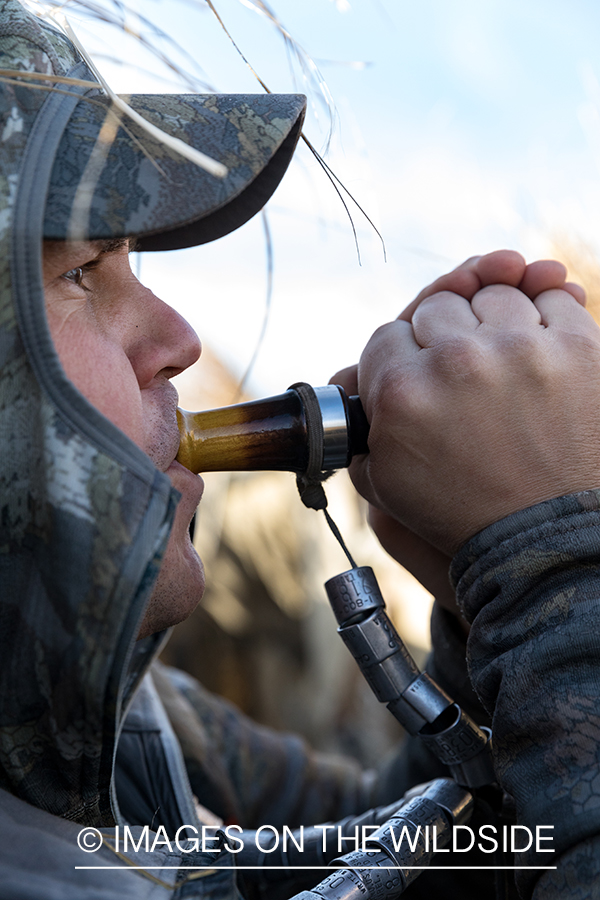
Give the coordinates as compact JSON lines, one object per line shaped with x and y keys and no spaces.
{"x":84,"y":513}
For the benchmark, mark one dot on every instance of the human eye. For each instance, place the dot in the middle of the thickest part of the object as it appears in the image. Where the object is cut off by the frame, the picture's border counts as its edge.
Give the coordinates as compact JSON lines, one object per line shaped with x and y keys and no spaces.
{"x":75,"y":275}
{"x":78,"y":274}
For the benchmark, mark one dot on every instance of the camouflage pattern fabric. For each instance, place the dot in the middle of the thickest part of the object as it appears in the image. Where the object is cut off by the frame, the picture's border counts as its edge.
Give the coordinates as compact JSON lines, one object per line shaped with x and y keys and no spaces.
{"x":81,"y":530}
{"x":166,"y":202}
{"x":530,"y":585}
{"x":252,"y":775}
{"x":84,"y":513}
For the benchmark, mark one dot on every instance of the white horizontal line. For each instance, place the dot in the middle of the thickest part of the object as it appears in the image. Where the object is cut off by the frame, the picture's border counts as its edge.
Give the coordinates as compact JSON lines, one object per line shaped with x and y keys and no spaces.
{"x":312,"y":868}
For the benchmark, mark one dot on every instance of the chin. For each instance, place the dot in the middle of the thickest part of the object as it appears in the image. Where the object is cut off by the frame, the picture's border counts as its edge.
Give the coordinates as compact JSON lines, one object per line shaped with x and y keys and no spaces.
{"x":178,"y":589}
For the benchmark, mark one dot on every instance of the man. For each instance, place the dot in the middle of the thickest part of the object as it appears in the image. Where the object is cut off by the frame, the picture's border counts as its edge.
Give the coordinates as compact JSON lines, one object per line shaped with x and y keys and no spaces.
{"x":96,"y":559}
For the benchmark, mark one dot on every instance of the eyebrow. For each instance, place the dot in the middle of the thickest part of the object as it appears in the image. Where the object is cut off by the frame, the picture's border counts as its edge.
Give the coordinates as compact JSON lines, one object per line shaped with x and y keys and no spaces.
{"x":112,"y":245}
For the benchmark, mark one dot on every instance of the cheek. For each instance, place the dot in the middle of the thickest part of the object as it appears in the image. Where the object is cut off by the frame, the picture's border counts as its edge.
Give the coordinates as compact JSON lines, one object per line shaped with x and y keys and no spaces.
{"x":102,"y":372}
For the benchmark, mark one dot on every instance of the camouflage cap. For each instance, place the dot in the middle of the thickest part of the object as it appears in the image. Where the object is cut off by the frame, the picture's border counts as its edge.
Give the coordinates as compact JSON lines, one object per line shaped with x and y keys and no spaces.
{"x":132,"y":184}
{"x":110,"y":178}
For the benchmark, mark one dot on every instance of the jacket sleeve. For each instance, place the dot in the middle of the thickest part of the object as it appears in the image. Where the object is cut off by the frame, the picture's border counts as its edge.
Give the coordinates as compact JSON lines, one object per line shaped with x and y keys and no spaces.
{"x":252,"y":775}
{"x":530,"y":586}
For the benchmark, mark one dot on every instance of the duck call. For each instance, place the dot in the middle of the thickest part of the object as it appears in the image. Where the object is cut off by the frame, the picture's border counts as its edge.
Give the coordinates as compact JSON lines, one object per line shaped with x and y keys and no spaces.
{"x":275,"y":433}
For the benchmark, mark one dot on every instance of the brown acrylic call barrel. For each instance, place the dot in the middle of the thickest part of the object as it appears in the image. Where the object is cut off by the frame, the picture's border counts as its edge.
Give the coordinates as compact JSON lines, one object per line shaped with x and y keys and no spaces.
{"x":275,"y":433}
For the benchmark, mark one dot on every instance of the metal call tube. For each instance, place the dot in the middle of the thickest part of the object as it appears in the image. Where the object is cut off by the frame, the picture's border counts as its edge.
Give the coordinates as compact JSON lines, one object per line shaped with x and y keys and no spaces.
{"x":421,"y":706}
{"x":273,"y":433}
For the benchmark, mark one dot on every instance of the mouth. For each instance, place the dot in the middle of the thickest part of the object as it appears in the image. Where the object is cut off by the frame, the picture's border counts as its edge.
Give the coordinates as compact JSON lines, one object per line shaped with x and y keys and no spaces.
{"x":190,"y":486}
{"x":163,"y":434}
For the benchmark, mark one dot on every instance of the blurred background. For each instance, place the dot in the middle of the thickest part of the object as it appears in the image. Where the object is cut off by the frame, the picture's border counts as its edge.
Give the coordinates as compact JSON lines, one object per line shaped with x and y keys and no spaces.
{"x":460,"y":127}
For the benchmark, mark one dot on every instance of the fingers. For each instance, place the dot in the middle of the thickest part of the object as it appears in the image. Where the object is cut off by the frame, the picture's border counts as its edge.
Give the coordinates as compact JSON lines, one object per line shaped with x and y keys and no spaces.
{"x":396,"y":339}
{"x":499,"y":267}
{"x":395,"y":343}
{"x":542,"y":275}
{"x":463,"y":281}
{"x":561,"y":310}
{"x":446,"y":316}
{"x":505,"y":307}
{"x":443,"y":316}
{"x":347,"y":378}
{"x":502,"y":267}
{"x":576,"y":291}
{"x":546,"y":275}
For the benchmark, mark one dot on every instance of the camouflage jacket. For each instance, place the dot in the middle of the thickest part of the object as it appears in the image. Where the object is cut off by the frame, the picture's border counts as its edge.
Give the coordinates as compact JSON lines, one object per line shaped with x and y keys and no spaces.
{"x":530,"y":585}
{"x":84,"y":519}
{"x":178,"y":745}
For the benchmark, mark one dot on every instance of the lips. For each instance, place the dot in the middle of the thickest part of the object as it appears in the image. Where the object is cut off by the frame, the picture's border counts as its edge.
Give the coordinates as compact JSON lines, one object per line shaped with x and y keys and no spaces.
{"x":190,"y":486}
{"x":162,"y":431}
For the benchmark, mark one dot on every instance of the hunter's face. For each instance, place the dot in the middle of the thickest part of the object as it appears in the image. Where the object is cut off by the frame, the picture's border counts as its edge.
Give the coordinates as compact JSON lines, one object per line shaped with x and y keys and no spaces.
{"x":120,"y":345}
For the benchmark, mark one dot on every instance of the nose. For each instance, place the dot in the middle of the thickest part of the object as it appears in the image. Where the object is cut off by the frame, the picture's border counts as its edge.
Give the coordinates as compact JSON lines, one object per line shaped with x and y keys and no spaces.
{"x":162,"y":343}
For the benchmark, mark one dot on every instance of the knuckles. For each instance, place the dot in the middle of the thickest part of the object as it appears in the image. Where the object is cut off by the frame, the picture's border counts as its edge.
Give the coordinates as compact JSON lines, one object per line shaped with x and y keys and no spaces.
{"x":457,"y":360}
{"x":405,"y":389}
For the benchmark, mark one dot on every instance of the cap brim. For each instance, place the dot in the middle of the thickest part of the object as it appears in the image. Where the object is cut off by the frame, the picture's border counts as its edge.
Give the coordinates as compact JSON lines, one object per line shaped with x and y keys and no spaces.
{"x":111,"y":179}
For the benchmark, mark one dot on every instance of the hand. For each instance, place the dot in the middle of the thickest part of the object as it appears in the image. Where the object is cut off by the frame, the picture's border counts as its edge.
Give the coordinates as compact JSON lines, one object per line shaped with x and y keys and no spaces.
{"x":427,"y":563}
{"x":417,"y":556}
{"x":480,"y":409}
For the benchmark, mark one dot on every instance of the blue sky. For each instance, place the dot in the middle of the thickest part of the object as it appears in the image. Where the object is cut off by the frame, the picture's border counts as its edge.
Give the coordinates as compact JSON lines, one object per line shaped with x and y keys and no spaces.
{"x":475,"y":125}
